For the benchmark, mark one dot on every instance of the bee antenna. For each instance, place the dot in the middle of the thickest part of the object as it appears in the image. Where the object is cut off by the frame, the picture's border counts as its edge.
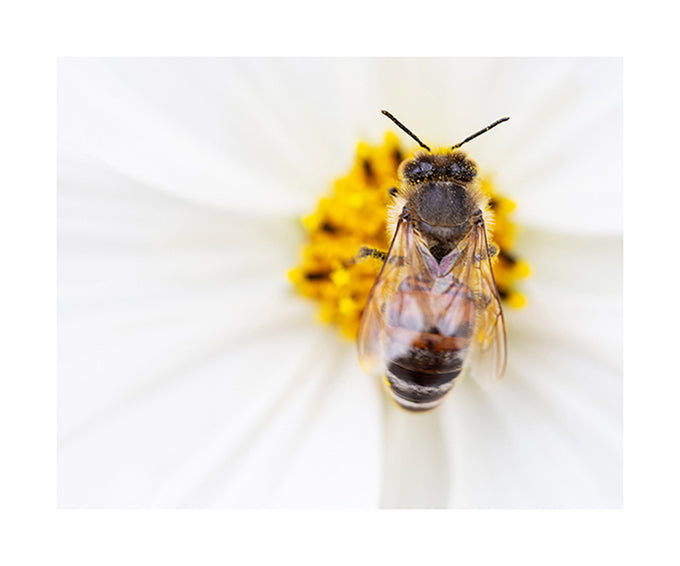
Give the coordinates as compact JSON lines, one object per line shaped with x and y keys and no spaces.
{"x":409,"y":132}
{"x":480,"y":132}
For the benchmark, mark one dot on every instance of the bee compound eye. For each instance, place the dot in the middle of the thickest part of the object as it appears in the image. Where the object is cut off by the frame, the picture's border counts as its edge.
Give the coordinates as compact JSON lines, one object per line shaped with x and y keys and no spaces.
{"x":417,"y":169}
{"x":463,"y":170}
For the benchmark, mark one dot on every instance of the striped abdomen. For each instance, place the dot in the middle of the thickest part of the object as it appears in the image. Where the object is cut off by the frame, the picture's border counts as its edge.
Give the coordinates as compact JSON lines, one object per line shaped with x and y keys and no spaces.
{"x":429,"y":328}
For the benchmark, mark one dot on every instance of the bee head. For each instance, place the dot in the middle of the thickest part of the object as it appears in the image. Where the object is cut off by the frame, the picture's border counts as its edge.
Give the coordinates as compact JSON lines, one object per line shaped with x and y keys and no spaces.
{"x":451,"y":166}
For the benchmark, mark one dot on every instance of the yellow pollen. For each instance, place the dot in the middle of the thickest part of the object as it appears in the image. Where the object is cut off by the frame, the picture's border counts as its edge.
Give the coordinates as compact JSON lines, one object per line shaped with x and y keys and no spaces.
{"x":354,"y":214}
{"x":340,"y":277}
{"x":516,"y":300}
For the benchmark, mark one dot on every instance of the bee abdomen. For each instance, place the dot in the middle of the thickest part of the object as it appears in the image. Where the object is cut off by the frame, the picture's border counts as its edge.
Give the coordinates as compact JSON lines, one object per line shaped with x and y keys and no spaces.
{"x":419,"y":390}
{"x":424,"y":366}
{"x":427,"y":339}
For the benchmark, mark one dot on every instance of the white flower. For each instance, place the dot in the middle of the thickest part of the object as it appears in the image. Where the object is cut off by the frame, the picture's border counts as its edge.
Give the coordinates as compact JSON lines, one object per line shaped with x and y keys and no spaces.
{"x":191,"y":375}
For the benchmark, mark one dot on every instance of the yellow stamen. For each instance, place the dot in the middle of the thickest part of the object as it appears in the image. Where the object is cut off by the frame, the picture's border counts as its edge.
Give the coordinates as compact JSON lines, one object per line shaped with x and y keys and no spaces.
{"x":354,"y":214}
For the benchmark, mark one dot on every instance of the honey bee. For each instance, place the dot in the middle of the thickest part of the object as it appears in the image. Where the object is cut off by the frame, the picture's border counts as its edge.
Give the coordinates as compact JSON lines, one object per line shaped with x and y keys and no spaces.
{"x":434,"y":310}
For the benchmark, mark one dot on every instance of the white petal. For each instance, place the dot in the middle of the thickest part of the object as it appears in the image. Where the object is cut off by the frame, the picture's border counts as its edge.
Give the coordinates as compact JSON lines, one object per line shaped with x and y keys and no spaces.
{"x":415,"y":467}
{"x":187,"y":368}
{"x":562,"y":157}
{"x":305,"y":451}
{"x":139,"y":270}
{"x":548,"y":436}
{"x":242,"y":430}
{"x":575,"y":294}
{"x":177,"y":126}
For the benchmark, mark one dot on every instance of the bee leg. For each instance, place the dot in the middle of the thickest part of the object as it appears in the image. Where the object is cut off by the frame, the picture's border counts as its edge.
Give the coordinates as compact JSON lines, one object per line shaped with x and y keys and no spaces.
{"x":491,"y":250}
{"x":393,"y":191}
{"x":364,"y":253}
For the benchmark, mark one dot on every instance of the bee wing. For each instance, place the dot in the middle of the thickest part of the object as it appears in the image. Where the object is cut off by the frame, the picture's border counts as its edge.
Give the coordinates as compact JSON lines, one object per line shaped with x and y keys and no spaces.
{"x":469,"y":284}
{"x":402,"y":258}
{"x":487,"y":356}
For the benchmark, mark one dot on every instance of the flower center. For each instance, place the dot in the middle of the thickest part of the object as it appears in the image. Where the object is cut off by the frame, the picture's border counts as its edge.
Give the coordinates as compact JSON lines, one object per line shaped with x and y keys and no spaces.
{"x":354,"y":214}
